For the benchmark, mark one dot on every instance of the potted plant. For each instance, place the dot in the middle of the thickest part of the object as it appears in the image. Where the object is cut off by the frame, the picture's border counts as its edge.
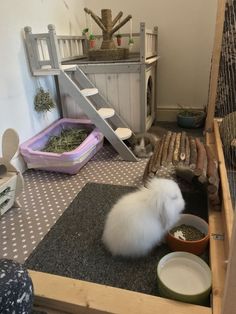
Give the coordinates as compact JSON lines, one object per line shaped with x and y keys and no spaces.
{"x":85,"y":31}
{"x":92,"y":41}
{"x":189,"y":118}
{"x":118,"y":39}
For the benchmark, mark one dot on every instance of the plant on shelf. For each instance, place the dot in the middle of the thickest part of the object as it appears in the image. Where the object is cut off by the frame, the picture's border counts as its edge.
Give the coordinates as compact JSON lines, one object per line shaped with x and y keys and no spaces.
{"x":118,"y":39}
{"x":190,"y":118}
{"x":43,"y":102}
{"x":92,"y":41}
{"x":130,"y":42}
{"x":85,"y":31}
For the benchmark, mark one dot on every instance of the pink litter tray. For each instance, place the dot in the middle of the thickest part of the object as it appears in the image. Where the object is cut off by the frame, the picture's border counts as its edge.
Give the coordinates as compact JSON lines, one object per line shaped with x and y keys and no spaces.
{"x":67,"y":162}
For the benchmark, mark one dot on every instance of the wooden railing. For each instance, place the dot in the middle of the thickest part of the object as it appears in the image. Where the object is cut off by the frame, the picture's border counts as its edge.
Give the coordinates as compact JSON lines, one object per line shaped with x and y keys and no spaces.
{"x":46,"y":51}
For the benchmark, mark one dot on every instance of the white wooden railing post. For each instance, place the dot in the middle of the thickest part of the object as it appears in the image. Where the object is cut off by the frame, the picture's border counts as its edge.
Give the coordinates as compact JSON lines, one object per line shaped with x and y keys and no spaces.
{"x":142,"y":42}
{"x":53,"y":48}
{"x":31,"y":50}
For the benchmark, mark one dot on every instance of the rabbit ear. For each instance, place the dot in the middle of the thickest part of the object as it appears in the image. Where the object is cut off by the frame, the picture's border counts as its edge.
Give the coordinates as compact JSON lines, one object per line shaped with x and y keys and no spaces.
{"x":163,"y":215}
{"x":10,"y":143}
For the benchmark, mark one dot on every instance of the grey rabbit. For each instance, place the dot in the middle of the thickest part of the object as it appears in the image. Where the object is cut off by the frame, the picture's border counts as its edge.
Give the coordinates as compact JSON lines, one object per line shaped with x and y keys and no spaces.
{"x":143,"y":144}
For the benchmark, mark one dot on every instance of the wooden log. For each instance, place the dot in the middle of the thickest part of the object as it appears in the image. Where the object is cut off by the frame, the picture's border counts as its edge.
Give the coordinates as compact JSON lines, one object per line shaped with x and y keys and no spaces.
{"x":171,"y":148}
{"x":185,"y":173}
{"x":154,"y":156}
{"x":165,"y":148}
{"x":146,"y":170}
{"x":201,"y":164}
{"x":193,"y":153}
{"x":176,"y":149}
{"x":212,"y":166}
{"x":211,"y":188}
{"x":187,"y":151}
{"x":182,"y":154}
{"x":214,"y":198}
{"x":157,"y":163}
{"x":212,"y":170}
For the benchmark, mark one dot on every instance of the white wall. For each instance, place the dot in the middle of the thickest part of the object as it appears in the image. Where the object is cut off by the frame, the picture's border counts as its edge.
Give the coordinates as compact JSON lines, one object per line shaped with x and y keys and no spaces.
{"x":186,"y":33}
{"x":17,"y":86}
{"x":186,"y":29}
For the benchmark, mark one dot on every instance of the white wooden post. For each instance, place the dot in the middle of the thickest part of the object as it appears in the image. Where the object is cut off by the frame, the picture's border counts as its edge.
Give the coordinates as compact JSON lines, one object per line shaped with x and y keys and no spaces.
{"x":156,"y":72}
{"x":53,"y":48}
{"x":229,"y":299}
{"x":31,"y":50}
{"x":142,"y":42}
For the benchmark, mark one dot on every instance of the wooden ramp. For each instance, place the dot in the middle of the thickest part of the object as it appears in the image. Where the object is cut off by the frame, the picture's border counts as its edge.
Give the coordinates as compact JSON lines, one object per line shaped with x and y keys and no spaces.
{"x":99,"y":111}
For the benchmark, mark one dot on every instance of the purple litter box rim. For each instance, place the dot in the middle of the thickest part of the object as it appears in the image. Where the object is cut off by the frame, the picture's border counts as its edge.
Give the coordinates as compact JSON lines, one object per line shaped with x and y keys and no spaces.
{"x":95,"y":135}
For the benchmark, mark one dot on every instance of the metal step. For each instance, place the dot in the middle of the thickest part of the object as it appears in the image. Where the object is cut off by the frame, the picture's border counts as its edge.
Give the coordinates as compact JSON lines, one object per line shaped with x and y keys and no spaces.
{"x":89,"y":91}
{"x":106,"y":113}
{"x":123,"y":133}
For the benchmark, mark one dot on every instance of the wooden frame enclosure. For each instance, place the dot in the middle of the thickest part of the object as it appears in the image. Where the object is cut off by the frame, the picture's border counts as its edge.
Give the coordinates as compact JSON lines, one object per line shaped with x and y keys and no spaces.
{"x":56,"y":294}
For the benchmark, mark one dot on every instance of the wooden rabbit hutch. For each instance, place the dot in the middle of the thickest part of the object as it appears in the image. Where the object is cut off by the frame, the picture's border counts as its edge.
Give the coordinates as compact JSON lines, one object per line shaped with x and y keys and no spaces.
{"x":56,"y":294}
{"x":129,"y":85}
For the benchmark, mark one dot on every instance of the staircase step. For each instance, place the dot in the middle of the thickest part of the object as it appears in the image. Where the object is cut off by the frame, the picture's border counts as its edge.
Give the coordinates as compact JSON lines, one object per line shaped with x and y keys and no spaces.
{"x":123,"y":133}
{"x":89,"y":91}
{"x":106,"y":112}
{"x":69,"y":67}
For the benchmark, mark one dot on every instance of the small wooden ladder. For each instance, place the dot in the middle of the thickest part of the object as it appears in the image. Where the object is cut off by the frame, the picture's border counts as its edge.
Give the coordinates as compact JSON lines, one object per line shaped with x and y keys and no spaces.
{"x":98,"y":110}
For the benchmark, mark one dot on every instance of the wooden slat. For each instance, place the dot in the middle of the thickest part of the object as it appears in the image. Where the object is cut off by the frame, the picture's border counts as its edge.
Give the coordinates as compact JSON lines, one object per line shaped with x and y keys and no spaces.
{"x":215,"y":64}
{"x":76,"y":296}
{"x":229,"y":300}
{"x":217,"y":259}
{"x":217,"y":248}
{"x":227,"y":208}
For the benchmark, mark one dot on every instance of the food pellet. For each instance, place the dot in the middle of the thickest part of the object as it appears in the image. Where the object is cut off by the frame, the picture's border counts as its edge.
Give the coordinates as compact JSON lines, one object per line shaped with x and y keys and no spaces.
{"x":186,"y":232}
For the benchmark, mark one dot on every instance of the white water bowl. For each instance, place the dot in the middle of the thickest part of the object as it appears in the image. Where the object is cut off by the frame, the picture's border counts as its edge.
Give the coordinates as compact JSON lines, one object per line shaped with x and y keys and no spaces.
{"x":184,"y":277}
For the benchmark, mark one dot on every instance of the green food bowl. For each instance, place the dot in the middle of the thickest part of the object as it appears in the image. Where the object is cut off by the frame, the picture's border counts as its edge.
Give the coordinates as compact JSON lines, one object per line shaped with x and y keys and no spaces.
{"x":184,"y":277}
{"x":191,"y":119}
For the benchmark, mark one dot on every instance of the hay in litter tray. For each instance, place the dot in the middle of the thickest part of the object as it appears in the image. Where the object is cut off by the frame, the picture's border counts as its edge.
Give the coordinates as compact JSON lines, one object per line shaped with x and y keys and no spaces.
{"x":68,"y":140}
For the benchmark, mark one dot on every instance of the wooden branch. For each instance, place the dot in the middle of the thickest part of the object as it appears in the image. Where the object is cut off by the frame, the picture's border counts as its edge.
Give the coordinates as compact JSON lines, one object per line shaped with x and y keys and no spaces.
{"x":171,"y":148}
{"x":212,"y":170}
{"x":96,"y":19}
{"x":146,"y":170}
{"x":212,"y":188}
{"x":201,"y":159}
{"x":182,"y":154}
{"x":165,"y":148}
{"x":119,"y":15}
{"x":185,"y":173}
{"x":193,"y":153}
{"x":212,"y":166}
{"x":158,"y":157}
{"x":176,"y":150}
{"x":152,"y":166}
{"x":187,"y":151}
{"x":121,"y":24}
{"x":214,"y":198}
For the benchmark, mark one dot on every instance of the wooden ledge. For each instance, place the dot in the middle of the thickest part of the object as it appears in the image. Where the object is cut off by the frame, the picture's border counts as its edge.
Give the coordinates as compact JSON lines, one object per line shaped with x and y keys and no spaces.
{"x":66,"y":295}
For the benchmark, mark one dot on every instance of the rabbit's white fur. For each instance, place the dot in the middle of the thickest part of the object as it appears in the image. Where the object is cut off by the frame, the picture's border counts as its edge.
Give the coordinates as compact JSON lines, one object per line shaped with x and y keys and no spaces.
{"x":139,"y":220}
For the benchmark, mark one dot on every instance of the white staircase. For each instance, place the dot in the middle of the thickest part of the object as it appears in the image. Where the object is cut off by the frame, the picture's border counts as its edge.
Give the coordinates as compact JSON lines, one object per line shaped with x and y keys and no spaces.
{"x":98,"y":110}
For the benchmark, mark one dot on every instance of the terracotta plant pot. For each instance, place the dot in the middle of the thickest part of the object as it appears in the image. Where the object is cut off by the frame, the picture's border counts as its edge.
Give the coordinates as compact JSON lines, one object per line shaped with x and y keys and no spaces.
{"x":118,"y":40}
{"x":92,"y":43}
{"x":195,"y":247}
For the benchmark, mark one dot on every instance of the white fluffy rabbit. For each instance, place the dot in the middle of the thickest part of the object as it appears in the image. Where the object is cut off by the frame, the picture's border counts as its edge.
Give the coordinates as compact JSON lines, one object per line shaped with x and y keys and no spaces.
{"x":140,"y":220}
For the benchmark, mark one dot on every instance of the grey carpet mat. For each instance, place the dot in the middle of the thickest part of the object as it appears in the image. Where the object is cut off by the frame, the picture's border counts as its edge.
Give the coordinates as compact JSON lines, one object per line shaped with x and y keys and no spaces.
{"x":73,"y":246}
